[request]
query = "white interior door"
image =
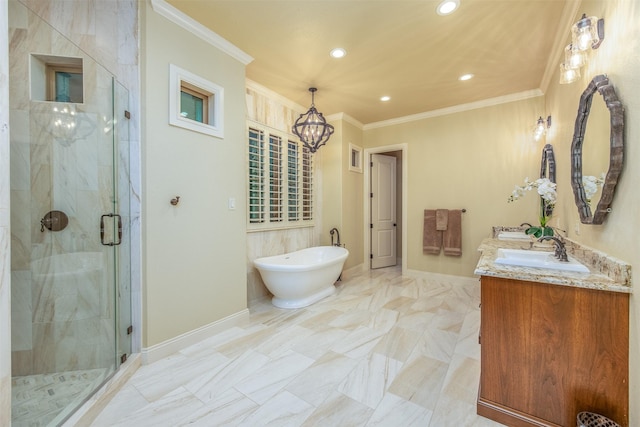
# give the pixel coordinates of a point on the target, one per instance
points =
(383, 211)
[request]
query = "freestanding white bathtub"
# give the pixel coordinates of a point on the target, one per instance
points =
(300, 278)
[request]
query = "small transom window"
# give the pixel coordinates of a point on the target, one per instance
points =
(195, 103)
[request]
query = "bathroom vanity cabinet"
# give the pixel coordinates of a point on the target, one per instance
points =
(549, 352)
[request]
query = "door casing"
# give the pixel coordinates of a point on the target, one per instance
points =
(366, 200)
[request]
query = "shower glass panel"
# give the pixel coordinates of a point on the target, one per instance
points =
(70, 277)
(121, 188)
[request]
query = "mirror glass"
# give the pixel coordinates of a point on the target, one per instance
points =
(597, 148)
(548, 169)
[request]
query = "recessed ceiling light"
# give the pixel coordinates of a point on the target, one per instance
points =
(385, 98)
(447, 6)
(465, 77)
(338, 52)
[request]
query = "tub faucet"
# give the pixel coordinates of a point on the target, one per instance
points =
(332, 231)
(561, 251)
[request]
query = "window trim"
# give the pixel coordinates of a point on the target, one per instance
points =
(355, 158)
(178, 79)
(284, 221)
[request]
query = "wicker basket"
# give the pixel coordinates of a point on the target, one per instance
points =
(589, 419)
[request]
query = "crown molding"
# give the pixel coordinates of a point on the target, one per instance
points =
(457, 109)
(345, 117)
(197, 29)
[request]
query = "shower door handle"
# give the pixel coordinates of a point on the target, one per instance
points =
(110, 215)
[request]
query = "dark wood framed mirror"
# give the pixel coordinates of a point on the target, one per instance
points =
(599, 84)
(548, 169)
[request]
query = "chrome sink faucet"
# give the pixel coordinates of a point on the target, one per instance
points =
(332, 231)
(560, 250)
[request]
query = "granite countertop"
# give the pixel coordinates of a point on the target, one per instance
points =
(592, 280)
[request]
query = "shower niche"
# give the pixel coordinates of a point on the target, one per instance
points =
(70, 285)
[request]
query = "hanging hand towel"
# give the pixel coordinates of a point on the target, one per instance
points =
(452, 239)
(431, 238)
(442, 219)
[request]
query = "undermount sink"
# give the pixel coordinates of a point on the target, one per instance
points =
(538, 259)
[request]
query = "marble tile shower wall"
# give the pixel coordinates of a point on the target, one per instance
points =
(273, 113)
(5, 288)
(43, 309)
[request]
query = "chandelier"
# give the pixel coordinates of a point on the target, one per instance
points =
(312, 128)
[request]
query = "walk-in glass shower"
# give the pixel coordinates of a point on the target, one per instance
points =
(70, 251)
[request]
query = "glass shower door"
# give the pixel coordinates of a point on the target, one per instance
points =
(122, 188)
(70, 279)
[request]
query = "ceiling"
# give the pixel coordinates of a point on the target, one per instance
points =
(399, 48)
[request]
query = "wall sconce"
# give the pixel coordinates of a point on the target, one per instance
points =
(573, 57)
(541, 128)
(586, 34)
(568, 75)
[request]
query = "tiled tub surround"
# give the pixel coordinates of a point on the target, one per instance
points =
(269, 243)
(606, 273)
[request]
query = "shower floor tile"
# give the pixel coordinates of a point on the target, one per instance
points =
(38, 400)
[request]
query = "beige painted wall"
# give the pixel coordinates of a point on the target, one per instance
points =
(194, 254)
(619, 235)
(470, 160)
(342, 189)
(352, 189)
(329, 159)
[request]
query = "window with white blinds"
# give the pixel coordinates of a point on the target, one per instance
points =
(280, 180)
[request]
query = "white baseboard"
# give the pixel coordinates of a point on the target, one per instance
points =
(173, 345)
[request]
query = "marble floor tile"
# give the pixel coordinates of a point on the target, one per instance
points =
(283, 341)
(420, 381)
(369, 380)
(435, 344)
(398, 343)
(352, 319)
(415, 320)
(339, 410)
(319, 343)
(284, 409)
(383, 320)
(237, 347)
(394, 411)
(209, 384)
(174, 409)
(162, 378)
(460, 382)
(228, 409)
(384, 350)
(359, 342)
(128, 400)
(322, 378)
(267, 381)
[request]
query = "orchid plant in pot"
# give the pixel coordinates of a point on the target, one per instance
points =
(547, 192)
